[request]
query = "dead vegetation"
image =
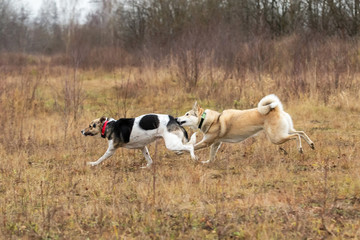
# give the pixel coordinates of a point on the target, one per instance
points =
(134, 57)
(253, 190)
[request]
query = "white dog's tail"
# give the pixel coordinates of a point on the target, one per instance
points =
(269, 102)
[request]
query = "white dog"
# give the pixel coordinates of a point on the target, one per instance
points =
(237, 125)
(136, 133)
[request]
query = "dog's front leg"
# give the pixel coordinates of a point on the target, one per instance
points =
(202, 144)
(213, 150)
(145, 151)
(109, 152)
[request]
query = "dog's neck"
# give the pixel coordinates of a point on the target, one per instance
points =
(104, 128)
(202, 116)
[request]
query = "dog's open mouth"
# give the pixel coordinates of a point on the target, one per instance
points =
(88, 134)
(180, 122)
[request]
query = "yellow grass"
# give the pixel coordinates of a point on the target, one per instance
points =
(252, 190)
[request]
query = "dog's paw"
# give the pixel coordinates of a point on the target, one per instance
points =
(194, 158)
(179, 152)
(205, 162)
(147, 166)
(283, 151)
(312, 145)
(91, 164)
(301, 150)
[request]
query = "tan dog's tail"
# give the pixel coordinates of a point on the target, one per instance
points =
(269, 102)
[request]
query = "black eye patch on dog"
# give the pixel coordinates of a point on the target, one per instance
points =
(149, 122)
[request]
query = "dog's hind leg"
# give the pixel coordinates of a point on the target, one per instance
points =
(287, 138)
(299, 133)
(298, 143)
(213, 150)
(192, 141)
(304, 136)
(149, 161)
(174, 143)
(109, 152)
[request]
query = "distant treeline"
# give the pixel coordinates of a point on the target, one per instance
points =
(159, 28)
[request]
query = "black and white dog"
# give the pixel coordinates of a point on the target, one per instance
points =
(136, 133)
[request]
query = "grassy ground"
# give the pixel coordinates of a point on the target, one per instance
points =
(252, 190)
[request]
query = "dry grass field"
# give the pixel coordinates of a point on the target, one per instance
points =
(252, 191)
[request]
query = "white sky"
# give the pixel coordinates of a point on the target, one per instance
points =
(83, 6)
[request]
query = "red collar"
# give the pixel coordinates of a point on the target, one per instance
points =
(103, 129)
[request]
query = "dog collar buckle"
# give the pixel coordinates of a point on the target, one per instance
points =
(103, 129)
(202, 120)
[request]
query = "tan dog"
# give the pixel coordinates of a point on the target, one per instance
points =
(237, 125)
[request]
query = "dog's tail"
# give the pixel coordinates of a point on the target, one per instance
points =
(268, 103)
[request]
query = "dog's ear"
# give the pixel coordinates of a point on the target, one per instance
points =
(102, 119)
(195, 106)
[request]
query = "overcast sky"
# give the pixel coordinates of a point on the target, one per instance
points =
(84, 6)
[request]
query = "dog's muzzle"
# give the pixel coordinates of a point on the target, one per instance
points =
(180, 122)
(86, 133)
